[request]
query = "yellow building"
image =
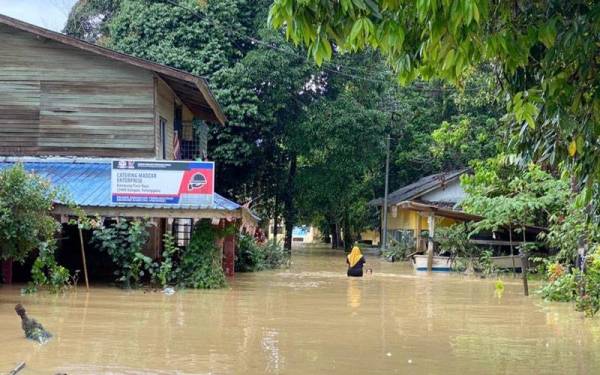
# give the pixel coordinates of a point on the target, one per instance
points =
(414, 210)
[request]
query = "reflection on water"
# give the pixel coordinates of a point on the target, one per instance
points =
(310, 319)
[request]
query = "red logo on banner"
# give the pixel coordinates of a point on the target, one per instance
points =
(197, 181)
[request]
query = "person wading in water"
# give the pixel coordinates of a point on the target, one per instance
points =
(355, 261)
(33, 330)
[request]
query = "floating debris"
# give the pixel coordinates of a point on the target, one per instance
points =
(33, 330)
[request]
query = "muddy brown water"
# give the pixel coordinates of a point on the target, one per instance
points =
(310, 319)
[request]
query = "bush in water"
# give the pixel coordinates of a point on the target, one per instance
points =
(581, 287)
(563, 288)
(26, 222)
(588, 298)
(166, 273)
(46, 272)
(124, 242)
(252, 256)
(200, 264)
(397, 251)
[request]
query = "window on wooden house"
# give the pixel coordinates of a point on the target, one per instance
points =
(182, 231)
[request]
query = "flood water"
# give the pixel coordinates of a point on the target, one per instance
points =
(310, 319)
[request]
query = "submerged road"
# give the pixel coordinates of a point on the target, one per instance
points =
(310, 319)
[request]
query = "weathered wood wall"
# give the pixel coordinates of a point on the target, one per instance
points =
(165, 108)
(59, 100)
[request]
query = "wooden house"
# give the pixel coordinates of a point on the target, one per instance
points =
(415, 211)
(68, 108)
(405, 223)
(61, 96)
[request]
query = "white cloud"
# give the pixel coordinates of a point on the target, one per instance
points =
(50, 14)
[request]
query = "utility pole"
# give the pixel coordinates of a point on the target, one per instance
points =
(385, 195)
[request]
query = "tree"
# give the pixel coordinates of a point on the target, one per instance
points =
(507, 195)
(88, 19)
(26, 222)
(343, 144)
(544, 54)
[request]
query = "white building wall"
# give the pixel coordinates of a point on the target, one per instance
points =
(451, 193)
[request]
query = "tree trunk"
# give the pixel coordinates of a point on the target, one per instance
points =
(347, 231)
(333, 238)
(524, 264)
(289, 210)
(275, 219)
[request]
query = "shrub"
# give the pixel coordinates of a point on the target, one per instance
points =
(166, 272)
(563, 288)
(26, 221)
(588, 300)
(275, 255)
(583, 288)
(124, 242)
(47, 273)
(200, 264)
(249, 255)
(485, 263)
(455, 241)
(397, 251)
(252, 256)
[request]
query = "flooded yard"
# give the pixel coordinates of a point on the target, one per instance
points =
(310, 319)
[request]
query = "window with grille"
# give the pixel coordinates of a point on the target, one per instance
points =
(182, 231)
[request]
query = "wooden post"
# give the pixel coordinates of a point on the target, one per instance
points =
(431, 224)
(512, 253)
(229, 255)
(85, 272)
(418, 233)
(524, 263)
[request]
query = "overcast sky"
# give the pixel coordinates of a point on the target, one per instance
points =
(51, 14)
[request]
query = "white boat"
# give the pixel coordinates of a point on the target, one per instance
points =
(507, 262)
(439, 263)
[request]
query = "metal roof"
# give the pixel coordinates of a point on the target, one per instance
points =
(420, 187)
(88, 184)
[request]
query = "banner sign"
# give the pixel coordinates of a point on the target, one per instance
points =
(163, 182)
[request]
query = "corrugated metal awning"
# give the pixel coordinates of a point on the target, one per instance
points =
(87, 184)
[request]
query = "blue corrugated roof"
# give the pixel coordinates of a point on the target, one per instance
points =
(88, 184)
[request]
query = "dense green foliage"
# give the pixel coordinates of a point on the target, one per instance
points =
(454, 241)
(507, 195)
(576, 221)
(26, 202)
(196, 266)
(397, 251)
(545, 56)
(47, 273)
(252, 256)
(165, 272)
(124, 241)
(513, 196)
(583, 288)
(200, 263)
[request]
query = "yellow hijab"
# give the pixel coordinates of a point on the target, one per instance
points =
(354, 256)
